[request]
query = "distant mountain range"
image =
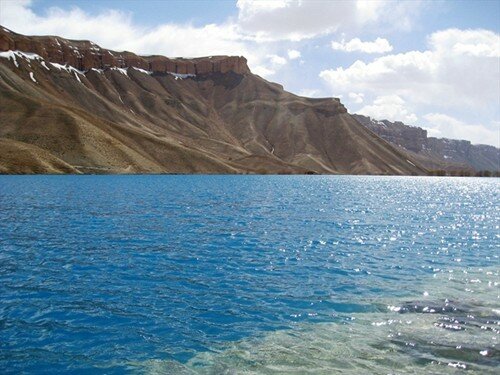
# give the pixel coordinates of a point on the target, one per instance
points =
(73, 107)
(435, 153)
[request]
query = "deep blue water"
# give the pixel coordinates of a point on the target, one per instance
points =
(108, 273)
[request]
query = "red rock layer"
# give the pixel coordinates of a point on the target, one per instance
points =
(85, 55)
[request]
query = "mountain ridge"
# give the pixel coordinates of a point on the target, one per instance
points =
(452, 155)
(85, 55)
(127, 119)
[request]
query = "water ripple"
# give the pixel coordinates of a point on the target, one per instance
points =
(126, 273)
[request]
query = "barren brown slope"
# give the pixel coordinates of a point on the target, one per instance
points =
(223, 119)
(317, 134)
(22, 158)
(452, 155)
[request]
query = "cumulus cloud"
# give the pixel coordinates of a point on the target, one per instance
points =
(293, 20)
(450, 69)
(379, 45)
(257, 21)
(356, 97)
(389, 107)
(270, 65)
(466, 42)
(445, 125)
(276, 60)
(263, 71)
(456, 74)
(297, 19)
(309, 93)
(293, 54)
(116, 30)
(110, 26)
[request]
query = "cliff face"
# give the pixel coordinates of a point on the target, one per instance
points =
(72, 106)
(410, 137)
(85, 55)
(435, 153)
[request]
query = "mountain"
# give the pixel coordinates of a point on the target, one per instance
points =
(74, 107)
(435, 153)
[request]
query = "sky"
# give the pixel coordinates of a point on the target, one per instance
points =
(434, 64)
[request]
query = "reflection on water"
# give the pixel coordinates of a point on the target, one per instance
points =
(217, 274)
(454, 324)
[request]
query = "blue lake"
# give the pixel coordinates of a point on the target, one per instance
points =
(249, 274)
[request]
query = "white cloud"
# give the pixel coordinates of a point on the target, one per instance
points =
(448, 70)
(110, 26)
(309, 93)
(390, 15)
(256, 21)
(466, 42)
(293, 54)
(389, 107)
(445, 125)
(458, 74)
(269, 65)
(379, 45)
(431, 132)
(116, 30)
(263, 71)
(293, 20)
(356, 97)
(249, 8)
(298, 19)
(276, 60)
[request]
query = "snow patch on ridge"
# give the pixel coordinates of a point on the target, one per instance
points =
(181, 76)
(121, 70)
(67, 68)
(143, 71)
(410, 162)
(11, 55)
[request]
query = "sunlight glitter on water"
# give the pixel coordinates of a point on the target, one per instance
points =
(209, 273)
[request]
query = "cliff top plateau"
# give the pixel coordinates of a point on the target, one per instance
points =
(74, 107)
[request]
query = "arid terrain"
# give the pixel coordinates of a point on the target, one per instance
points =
(73, 107)
(450, 155)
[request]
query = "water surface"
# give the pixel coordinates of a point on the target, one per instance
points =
(249, 274)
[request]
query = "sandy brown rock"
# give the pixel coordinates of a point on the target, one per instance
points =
(435, 153)
(23, 158)
(211, 116)
(85, 55)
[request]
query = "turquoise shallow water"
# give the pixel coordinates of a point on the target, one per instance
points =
(249, 274)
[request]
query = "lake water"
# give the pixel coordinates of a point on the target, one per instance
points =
(249, 274)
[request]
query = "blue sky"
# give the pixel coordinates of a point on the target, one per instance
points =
(431, 64)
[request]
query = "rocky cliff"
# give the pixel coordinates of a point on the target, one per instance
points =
(74, 107)
(85, 55)
(435, 153)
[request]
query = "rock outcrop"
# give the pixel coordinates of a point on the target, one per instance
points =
(85, 55)
(410, 137)
(74, 107)
(435, 153)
